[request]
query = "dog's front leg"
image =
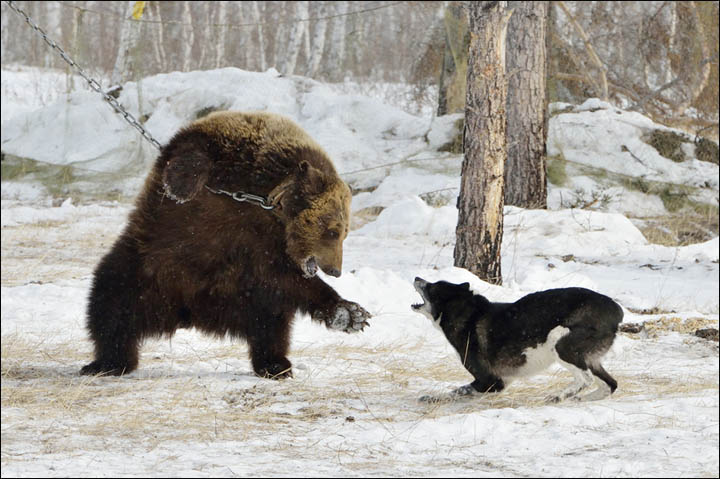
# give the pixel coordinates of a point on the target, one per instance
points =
(486, 384)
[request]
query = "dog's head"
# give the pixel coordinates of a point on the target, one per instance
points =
(436, 297)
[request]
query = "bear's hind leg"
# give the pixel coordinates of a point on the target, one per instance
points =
(113, 317)
(114, 357)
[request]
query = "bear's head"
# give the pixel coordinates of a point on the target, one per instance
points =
(259, 152)
(314, 206)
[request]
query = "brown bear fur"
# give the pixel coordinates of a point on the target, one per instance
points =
(190, 257)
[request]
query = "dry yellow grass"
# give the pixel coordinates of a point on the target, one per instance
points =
(33, 252)
(40, 384)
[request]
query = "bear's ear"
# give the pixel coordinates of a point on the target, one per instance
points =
(280, 194)
(304, 182)
(185, 174)
(310, 180)
(466, 286)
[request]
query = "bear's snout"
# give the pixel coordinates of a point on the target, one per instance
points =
(333, 272)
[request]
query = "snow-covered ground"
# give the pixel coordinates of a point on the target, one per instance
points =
(194, 408)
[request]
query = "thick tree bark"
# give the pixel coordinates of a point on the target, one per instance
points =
(480, 204)
(525, 181)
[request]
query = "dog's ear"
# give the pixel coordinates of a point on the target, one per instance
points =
(185, 173)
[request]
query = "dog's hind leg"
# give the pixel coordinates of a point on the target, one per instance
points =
(583, 380)
(571, 352)
(606, 386)
(600, 372)
(601, 392)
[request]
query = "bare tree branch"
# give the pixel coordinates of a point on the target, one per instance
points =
(588, 46)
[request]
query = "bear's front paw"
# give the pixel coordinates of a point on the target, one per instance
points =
(347, 316)
(278, 368)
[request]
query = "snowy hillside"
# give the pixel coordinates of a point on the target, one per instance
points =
(194, 408)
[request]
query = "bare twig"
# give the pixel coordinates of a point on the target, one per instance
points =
(588, 46)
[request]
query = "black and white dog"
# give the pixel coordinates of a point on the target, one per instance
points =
(498, 342)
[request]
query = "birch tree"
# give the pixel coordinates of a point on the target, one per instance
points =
(53, 29)
(317, 45)
(336, 54)
(257, 19)
(480, 204)
(124, 61)
(188, 37)
(222, 19)
(208, 35)
(288, 60)
(159, 43)
(525, 181)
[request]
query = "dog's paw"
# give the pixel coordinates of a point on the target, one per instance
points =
(456, 394)
(428, 399)
(466, 390)
(437, 398)
(348, 317)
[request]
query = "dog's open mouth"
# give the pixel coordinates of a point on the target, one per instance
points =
(419, 284)
(310, 267)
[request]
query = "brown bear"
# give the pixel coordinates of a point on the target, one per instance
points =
(193, 254)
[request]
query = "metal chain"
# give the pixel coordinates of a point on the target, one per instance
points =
(242, 197)
(237, 196)
(93, 83)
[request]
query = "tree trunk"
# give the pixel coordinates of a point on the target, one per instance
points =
(453, 77)
(525, 181)
(336, 55)
(124, 67)
(447, 72)
(159, 43)
(74, 49)
(52, 27)
(188, 37)
(207, 35)
(288, 59)
(262, 63)
(222, 19)
(480, 204)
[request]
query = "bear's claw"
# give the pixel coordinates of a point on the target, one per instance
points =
(348, 316)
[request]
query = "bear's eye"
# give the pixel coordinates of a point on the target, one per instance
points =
(332, 234)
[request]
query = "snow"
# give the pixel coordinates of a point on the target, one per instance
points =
(194, 408)
(599, 135)
(358, 132)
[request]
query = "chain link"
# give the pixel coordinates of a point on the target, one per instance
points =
(243, 197)
(92, 82)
